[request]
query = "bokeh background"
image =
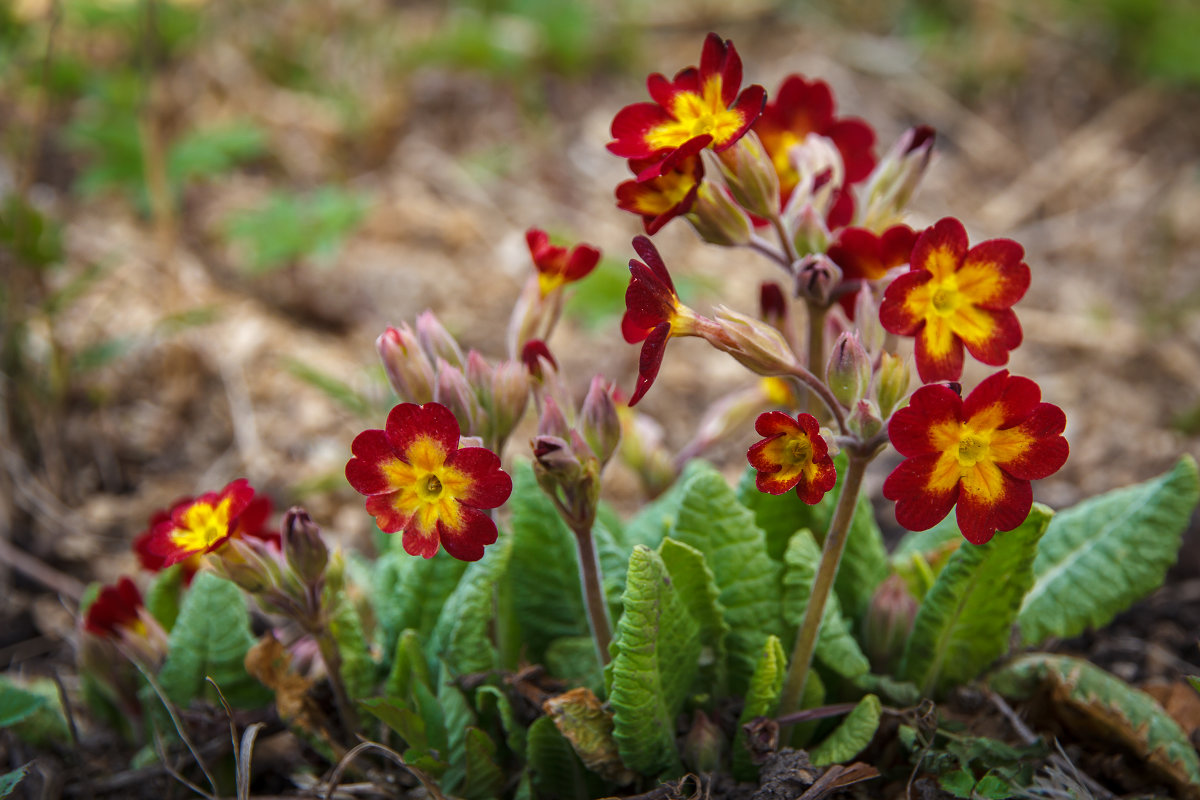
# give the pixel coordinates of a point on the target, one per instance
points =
(211, 209)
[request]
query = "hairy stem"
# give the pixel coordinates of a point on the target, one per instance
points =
(593, 592)
(831, 558)
(333, 665)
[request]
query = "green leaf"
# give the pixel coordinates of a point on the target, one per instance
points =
(1098, 703)
(574, 659)
(781, 515)
(852, 736)
(163, 596)
(33, 711)
(17, 704)
(489, 699)
(922, 542)
(1100, 556)
(960, 783)
(458, 717)
(358, 668)
(762, 698)
(836, 648)
(653, 667)
(210, 639)
(9, 780)
(656, 519)
(211, 151)
(410, 726)
(484, 779)
(966, 619)
(1194, 681)
(460, 637)
(556, 770)
(543, 577)
(694, 582)
(408, 666)
(410, 592)
(711, 520)
(289, 227)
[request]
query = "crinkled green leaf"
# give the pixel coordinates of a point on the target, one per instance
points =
(656, 519)
(711, 520)
(864, 562)
(409, 592)
(408, 665)
(484, 779)
(762, 698)
(852, 736)
(164, 594)
(966, 620)
(654, 665)
(210, 639)
(1099, 703)
(574, 659)
(1100, 556)
(836, 648)
(491, 702)
(9, 780)
(459, 718)
(460, 636)
(556, 770)
(697, 588)
(359, 670)
(543, 576)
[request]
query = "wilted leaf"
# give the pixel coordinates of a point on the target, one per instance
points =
(271, 665)
(589, 728)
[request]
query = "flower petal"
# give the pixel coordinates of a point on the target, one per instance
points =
(939, 353)
(650, 360)
(1034, 449)
(918, 507)
(372, 450)
(407, 423)
(389, 515)
(991, 500)
(941, 248)
(911, 428)
(992, 274)
(900, 312)
(487, 485)
(466, 542)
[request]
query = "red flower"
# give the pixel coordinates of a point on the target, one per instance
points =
(202, 525)
(699, 108)
(792, 455)
(661, 199)
(953, 296)
(980, 453)
(116, 611)
(864, 256)
(418, 480)
(801, 108)
(555, 266)
(653, 313)
(250, 523)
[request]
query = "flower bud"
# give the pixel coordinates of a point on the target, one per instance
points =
(816, 278)
(887, 623)
(510, 395)
(533, 353)
(751, 176)
(895, 178)
(866, 315)
(754, 343)
(240, 563)
(848, 373)
(821, 172)
(864, 420)
(478, 372)
(599, 421)
(553, 422)
(437, 341)
(702, 744)
(303, 546)
(810, 234)
(408, 369)
(555, 458)
(893, 383)
(453, 391)
(717, 218)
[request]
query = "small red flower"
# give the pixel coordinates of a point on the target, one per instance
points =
(202, 525)
(659, 200)
(653, 313)
(418, 480)
(954, 296)
(116, 610)
(801, 107)
(981, 453)
(555, 266)
(864, 256)
(793, 455)
(699, 108)
(250, 523)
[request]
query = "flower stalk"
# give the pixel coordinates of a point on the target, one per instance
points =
(593, 592)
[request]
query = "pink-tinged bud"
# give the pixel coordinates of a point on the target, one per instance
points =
(437, 341)
(718, 219)
(822, 172)
(772, 304)
(408, 369)
(887, 623)
(510, 395)
(816, 278)
(754, 343)
(893, 383)
(534, 315)
(553, 422)
(455, 393)
(810, 232)
(865, 420)
(848, 373)
(751, 176)
(303, 546)
(478, 372)
(599, 421)
(555, 457)
(895, 178)
(703, 744)
(567, 471)
(247, 563)
(866, 315)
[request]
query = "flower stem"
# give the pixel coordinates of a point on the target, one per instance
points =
(815, 345)
(831, 557)
(333, 665)
(593, 592)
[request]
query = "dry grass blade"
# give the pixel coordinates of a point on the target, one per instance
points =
(243, 753)
(430, 785)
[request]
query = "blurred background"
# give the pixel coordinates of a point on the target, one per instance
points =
(209, 210)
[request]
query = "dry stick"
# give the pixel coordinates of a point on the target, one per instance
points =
(831, 557)
(430, 786)
(40, 571)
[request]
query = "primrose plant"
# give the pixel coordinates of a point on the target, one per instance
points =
(556, 650)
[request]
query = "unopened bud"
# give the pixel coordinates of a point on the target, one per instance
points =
(866, 315)
(848, 373)
(864, 420)
(240, 562)
(478, 372)
(437, 341)
(751, 176)
(810, 233)
(895, 178)
(408, 369)
(510, 395)
(887, 623)
(816, 278)
(893, 383)
(599, 421)
(553, 422)
(702, 744)
(717, 218)
(822, 172)
(456, 394)
(303, 546)
(754, 343)
(555, 457)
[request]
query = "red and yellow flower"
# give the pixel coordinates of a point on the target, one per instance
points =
(557, 267)
(418, 480)
(865, 256)
(793, 455)
(202, 525)
(801, 107)
(699, 108)
(661, 199)
(979, 453)
(653, 313)
(251, 523)
(116, 611)
(954, 296)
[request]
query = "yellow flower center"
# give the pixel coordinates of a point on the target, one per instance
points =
(695, 115)
(203, 526)
(945, 300)
(972, 449)
(430, 488)
(800, 450)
